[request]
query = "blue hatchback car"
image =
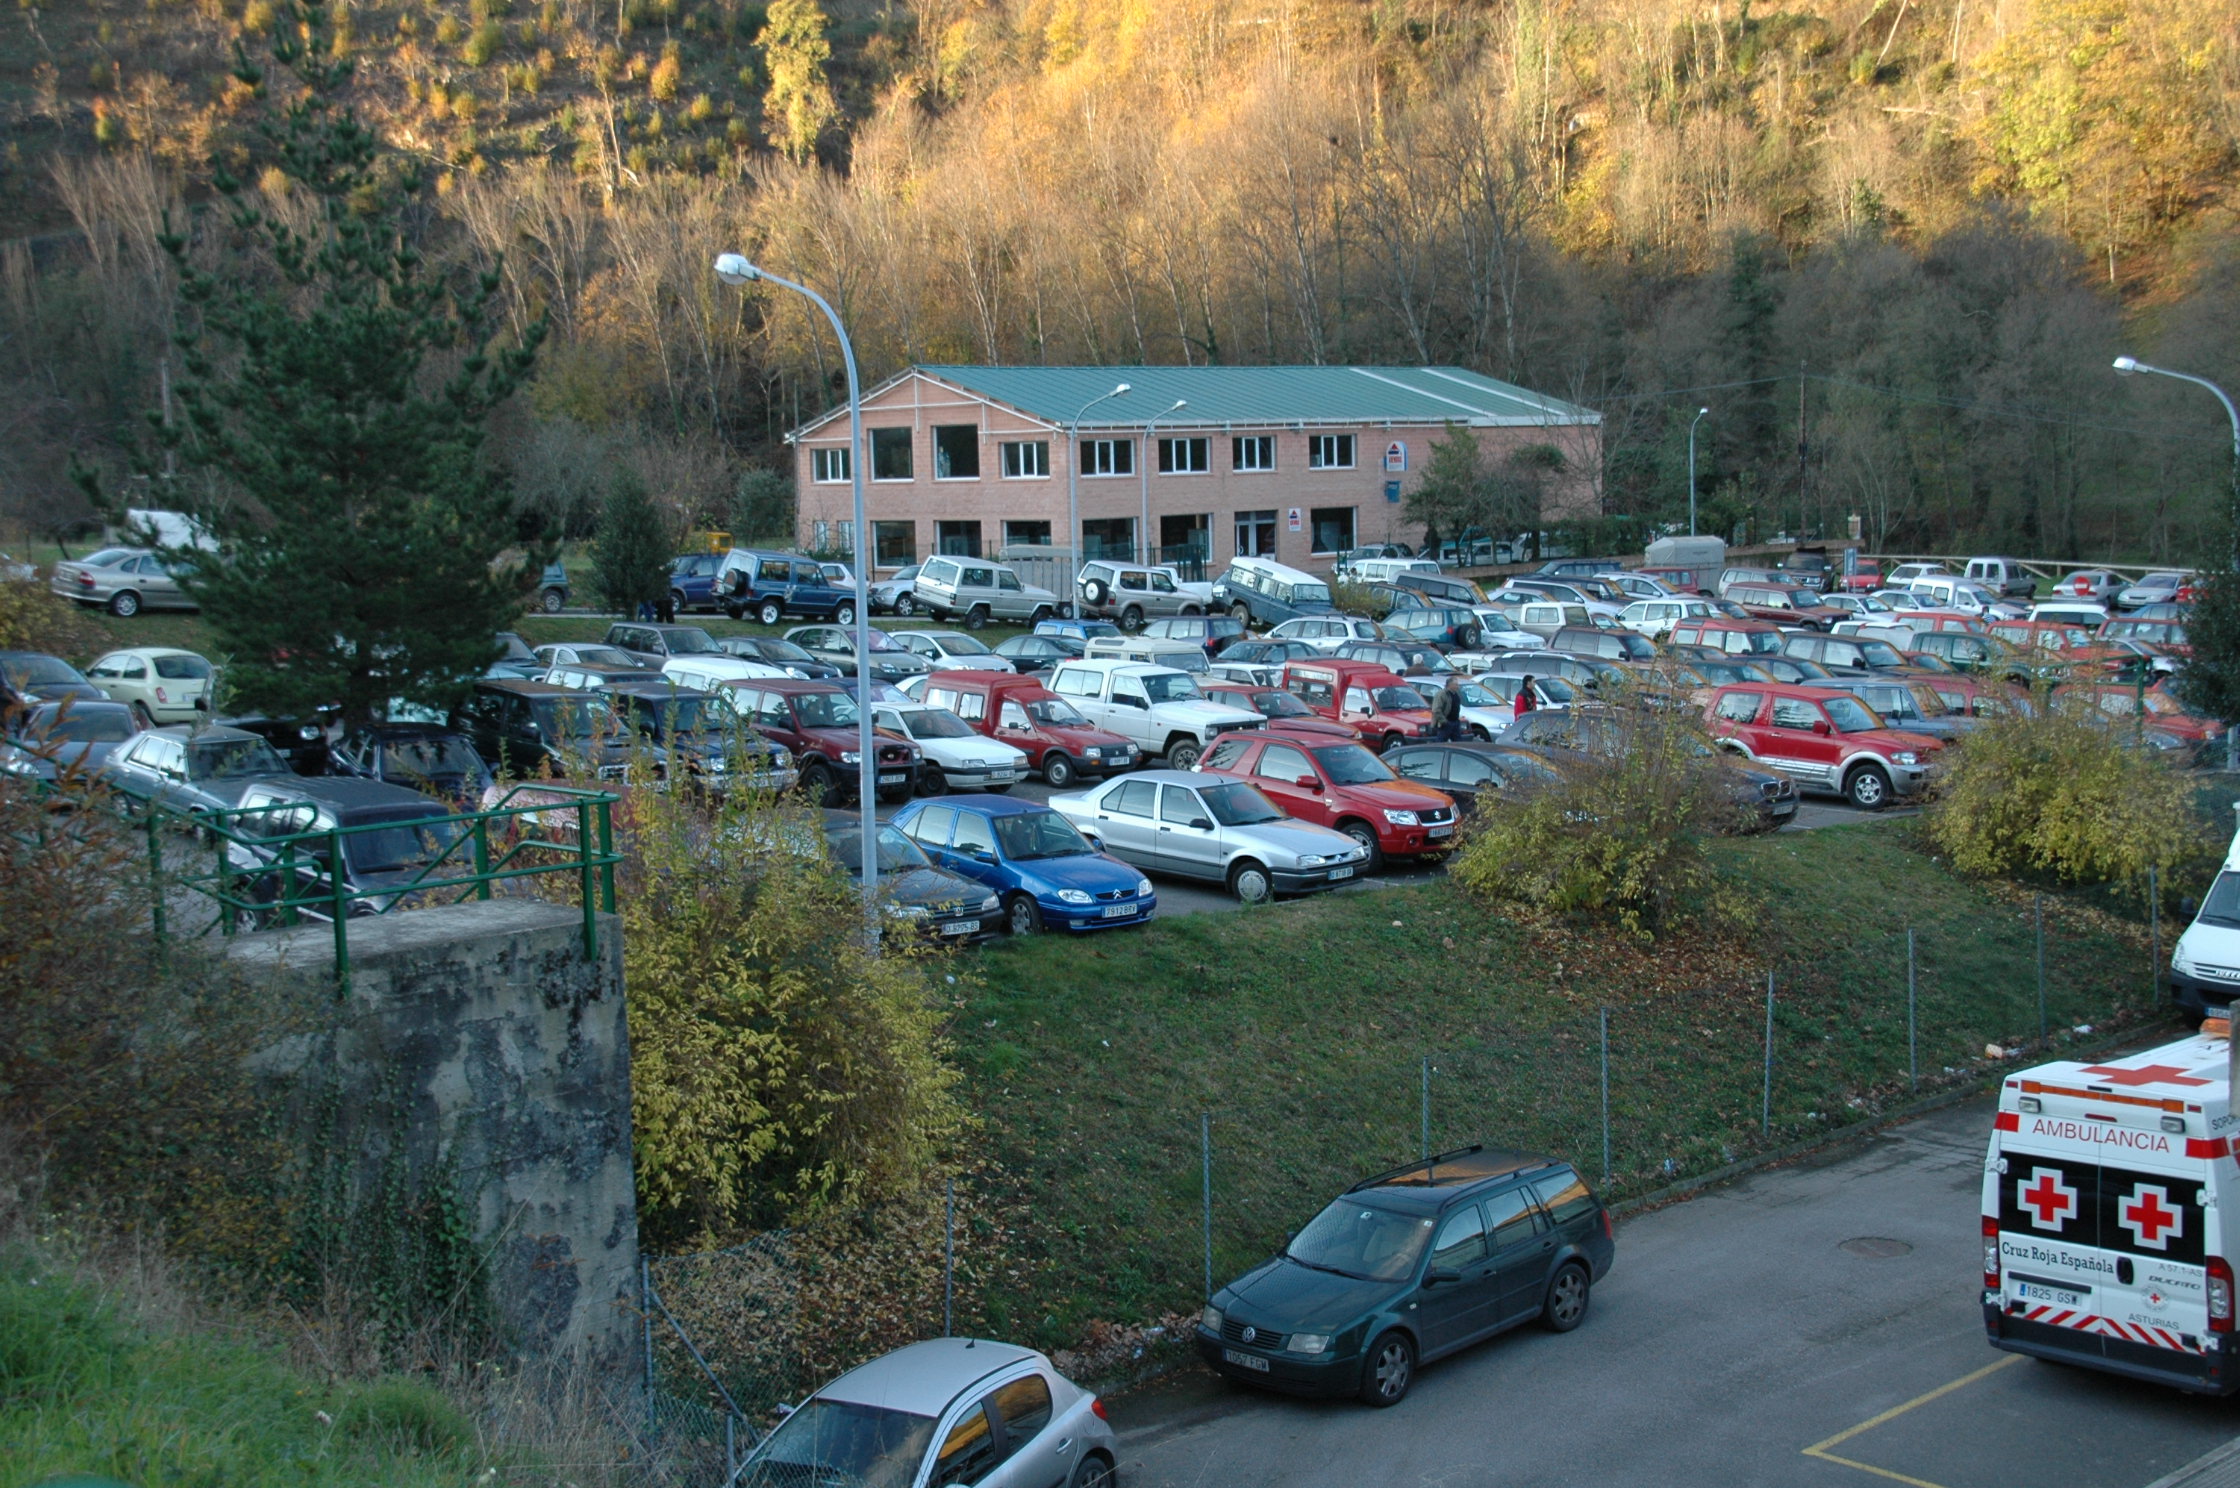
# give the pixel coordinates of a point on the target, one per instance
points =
(1079, 630)
(1047, 872)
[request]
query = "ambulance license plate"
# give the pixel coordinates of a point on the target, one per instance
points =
(2038, 1291)
(1249, 1361)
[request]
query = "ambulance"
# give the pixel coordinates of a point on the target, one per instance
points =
(2111, 1209)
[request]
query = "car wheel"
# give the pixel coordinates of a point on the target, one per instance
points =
(1389, 1370)
(1041, 613)
(1250, 882)
(1240, 614)
(1366, 836)
(676, 601)
(976, 617)
(1868, 788)
(124, 604)
(1020, 916)
(905, 605)
(1566, 1307)
(1095, 1471)
(1391, 742)
(1094, 592)
(1058, 770)
(845, 614)
(1478, 732)
(771, 612)
(554, 601)
(1183, 754)
(141, 717)
(1467, 637)
(931, 782)
(1131, 619)
(819, 784)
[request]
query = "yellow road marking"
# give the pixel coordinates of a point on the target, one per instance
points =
(1820, 1449)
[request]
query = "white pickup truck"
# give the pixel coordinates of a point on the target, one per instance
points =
(1157, 708)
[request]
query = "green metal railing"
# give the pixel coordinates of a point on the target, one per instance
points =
(259, 879)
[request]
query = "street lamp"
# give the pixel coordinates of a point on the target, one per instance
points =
(1143, 532)
(1073, 493)
(734, 269)
(1692, 469)
(2125, 366)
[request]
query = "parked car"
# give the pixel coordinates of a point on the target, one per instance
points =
(1181, 656)
(391, 839)
(1745, 638)
(1865, 577)
(949, 1410)
(188, 770)
(553, 589)
(124, 581)
(1048, 875)
(2163, 586)
(2089, 583)
(2072, 612)
(700, 739)
(1579, 671)
(513, 658)
(1284, 713)
(891, 661)
(651, 645)
(1476, 774)
(770, 586)
(1068, 628)
(1402, 659)
(1158, 709)
(1610, 645)
(1036, 654)
(1544, 618)
(588, 654)
(1133, 593)
(47, 741)
(31, 677)
(1263, 592)
(161, 684)
(893, 595)
(427, 758)
(1655, 618)
(1840, 654)
(1485, 708)
(957, 756)
(1409, 1266)
(1806, 568)
(1905, 575)
(1328, 632)
(1762, 799)
(1216, 633)
(916, 898)
(1435, 590)
(1783, 604)
(2002, 576)
(977, 590)
(1185, 825)
(1362, 695)
(1908, 703)
(1342, 786)
(1825, 741)
(692, 582)
(1497, 629)
(2167, 636)
(821, 726)
(775, 651)
(1060, 743)
(1449, 626)
(588, 678)
(951, 650)
(525, 730)
(1636, 585)
(1261, 661)
(1861, 608)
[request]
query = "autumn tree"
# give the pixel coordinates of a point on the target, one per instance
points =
(798, 106)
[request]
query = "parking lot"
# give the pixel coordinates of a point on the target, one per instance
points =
(1814, 1324)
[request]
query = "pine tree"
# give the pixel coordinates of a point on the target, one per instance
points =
(335, 396)
(798, 105)
(631, 557)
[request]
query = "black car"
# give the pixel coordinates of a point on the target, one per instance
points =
(780, 653)
(1408, 1266)
(915, 895)
(1476, 774)
(305, 742)
(50, 740)
(1035, 654)
(525, 730)
(28, 677)
(391, 838)
(423, 757)
(701, 739)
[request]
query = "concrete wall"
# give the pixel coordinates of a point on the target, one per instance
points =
(510, 1052)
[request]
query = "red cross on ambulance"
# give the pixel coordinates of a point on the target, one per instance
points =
(2153, 1074)
(2049, 1200)
(2150, 1219)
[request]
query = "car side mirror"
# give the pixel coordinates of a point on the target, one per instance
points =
(202, 703)
(1308, 782)
(982, 855)
(1820, 726)
(2189, 906)
(1439, 1274)
(1201, 824)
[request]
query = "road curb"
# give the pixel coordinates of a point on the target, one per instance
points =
(2217, 1469)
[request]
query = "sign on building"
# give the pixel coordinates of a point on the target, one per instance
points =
(1294, 514)
(1396, 456)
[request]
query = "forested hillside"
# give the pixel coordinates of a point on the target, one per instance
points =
(1891, 245)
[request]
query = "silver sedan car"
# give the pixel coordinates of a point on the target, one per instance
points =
(124, 580)
(1186, 825)
(950, 1410)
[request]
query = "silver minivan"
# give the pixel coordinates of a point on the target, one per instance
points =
(976, 591)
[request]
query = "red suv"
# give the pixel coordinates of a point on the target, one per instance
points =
(1362, 694)
(1285, 713)
(1023, 713)
(818, 722)
(1342, 786)
(1823, 739)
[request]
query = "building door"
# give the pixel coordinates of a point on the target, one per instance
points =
(1256, 534)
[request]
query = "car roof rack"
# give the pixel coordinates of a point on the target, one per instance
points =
(1429, 1166)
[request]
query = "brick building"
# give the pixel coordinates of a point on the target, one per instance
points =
(1297, 463)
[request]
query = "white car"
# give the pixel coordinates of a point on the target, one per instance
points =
(1864, 608)
(957, 756)
(1498, 630)
(1327, 632)
(706, 671)
(891, 595)
(952, 651)
(1158, 709)
(1655, 618)
(1904, 575)
(159, 683)
(1636, 585)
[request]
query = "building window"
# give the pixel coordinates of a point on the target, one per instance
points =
(820, 533)
(1332, 526)
(1026, 459)
(894, 544)
(828, 466)
(843, 537)
(957, 539)
(1026, 534)
(1185, 538)
(1185, 456)
(1329, 452)
(1256, 534)
(1251, 452)
(1109, 537)
(956, 452)
(1108, 457)
(890, 454)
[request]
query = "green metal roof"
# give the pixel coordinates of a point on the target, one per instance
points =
(1260, 396)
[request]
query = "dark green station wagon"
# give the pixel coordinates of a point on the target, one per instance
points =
(1411, 1265)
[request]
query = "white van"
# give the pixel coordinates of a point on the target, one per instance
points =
(1963, 595)
(2071, 612)
(2205, 963)
(2111, 1209)
(2002, 576)
(1384, 570)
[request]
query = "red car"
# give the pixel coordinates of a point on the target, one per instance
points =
(1866, 578)
(1342, 786)
(818, 722)
(1285, 713)
(1023, 713)
(1363, 695)
(1824, 739)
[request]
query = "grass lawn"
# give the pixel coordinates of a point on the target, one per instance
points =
(1303, 1030)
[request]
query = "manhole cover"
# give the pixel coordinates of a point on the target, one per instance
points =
(1876, 1247)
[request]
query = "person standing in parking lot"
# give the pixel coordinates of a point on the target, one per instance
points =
(1526, 702)
(1446, 712)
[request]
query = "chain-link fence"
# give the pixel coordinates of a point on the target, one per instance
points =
(1094, 1243)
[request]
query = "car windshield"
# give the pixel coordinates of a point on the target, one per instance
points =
(1762, 641)
(571, 718)
(1028, 835)
(1170, 687)
(1850, 716)
(959, 645)
(426, 758)
(1891, 702)
(841, 1443)
(781, 651)
(881, 641)
(897, 853)
(1803, 599)
(1396, 699)
(1309, 593)
(680, 715)
(1361, 1240)
(1056, 711)
(1880, 654)
(935, 723)
(1350, 764)
(83, 726)
(603, 656)
(1474, 696)
(691, 640)
(1277, 704)
(231, 759)
(183, 668)
(825, 710)
(24, 672)
(397, 846)
(1239, 805)
(512, 648)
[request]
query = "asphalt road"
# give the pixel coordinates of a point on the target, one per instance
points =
(1744, 1337)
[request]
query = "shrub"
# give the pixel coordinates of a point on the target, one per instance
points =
(483, 44)
(668, 73)
(2064, 797)
(1623, 839)
(449, 31)
(33, 618)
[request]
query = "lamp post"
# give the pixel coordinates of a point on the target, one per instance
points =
(1073, 492)
(1692, 469)
(734, 269)
(2125, 366)
(1143, 531)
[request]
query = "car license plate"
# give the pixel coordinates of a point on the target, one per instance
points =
(960, 927)
(1338, 873)
(2038, 1291)
(1118, 911)
(1249, 1361)
(1438, 832)
(892, 779)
